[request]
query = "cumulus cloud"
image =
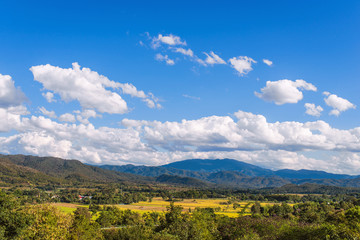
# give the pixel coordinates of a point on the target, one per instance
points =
(337, 103)
(170, 39)
(11, 117)
(49, 96)
(89, 88)
(250, 132)
(130, 89)
(11, 100)
(10, 95)
(84, 116)
(67, 117)
(183, 51)
(245, 136)
(242, 64)
(285, 91)
(50, 114)
(83, 85)
(212, 59)
(313, 110)
(267, 62)
(164, 58)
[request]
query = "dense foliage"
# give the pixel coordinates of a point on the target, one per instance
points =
(30, 185)
(322, 217)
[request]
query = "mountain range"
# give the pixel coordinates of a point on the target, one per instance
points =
(20, 170)
(233, 173)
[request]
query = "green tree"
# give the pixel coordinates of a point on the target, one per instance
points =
(47, 223)
(12, 219)
(82, 228)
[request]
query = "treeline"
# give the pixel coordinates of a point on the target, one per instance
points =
(310, 220)
(119, 194)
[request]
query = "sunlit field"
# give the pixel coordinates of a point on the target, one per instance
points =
(221, 206)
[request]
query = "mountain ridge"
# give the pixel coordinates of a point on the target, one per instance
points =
(234, 173)
(198, 167)
(29, 170)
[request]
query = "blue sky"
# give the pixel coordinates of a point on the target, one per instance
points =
(159, 82)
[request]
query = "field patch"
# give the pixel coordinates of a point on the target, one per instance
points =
(220, 206)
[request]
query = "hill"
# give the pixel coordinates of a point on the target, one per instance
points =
(186, 181)
(237, 174)
(310, 174)
(50, 170)
(31, 170)
(216, 165)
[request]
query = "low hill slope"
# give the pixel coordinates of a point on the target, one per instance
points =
(216, 165)
(310, 174)
(65, 170)
(186, 181)
(13, 174)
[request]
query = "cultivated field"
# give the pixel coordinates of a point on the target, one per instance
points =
(221, 206)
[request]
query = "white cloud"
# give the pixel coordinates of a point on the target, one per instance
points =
(200, 61)
(267, 62)
(337, 103)
(11, 108)
(10, 95)
(247, 137)
(91, 89)
(313, 110)
(67, 117)
(170, 39)
(251, 132)
(49, 96)
(40, 143)
(212, 59)
(130, 89)
(84, 116)
(150, 103)
(242, 64)
(164, 58)
(183, 51)
(191, 97)
(83, 85)
(284, 91)
(11, 118)
(18, 110)
(50, 114)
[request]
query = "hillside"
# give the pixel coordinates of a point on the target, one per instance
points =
(31, 170)
(216, 165)
(11, 173)
(50, 170)
(237, 174)
(310, 174)
(186, 181)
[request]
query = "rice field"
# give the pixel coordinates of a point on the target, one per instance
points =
(159, 205)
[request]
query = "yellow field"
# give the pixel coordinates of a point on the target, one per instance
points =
(159, 205)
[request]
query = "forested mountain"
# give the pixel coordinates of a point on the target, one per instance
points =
(233, 173)
(50, 170)
(310, 174)
(216, 165)
(31, 170)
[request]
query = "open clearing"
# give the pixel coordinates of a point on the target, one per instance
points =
(159, 205)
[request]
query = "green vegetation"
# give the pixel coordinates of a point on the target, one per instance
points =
(320, 219)
(50, 198)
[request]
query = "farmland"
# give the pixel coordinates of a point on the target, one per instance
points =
(221, 206)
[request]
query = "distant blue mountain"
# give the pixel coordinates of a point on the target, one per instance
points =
(233, 173)
(310, 174)
(216, 165)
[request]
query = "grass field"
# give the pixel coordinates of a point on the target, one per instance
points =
(159, 205)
